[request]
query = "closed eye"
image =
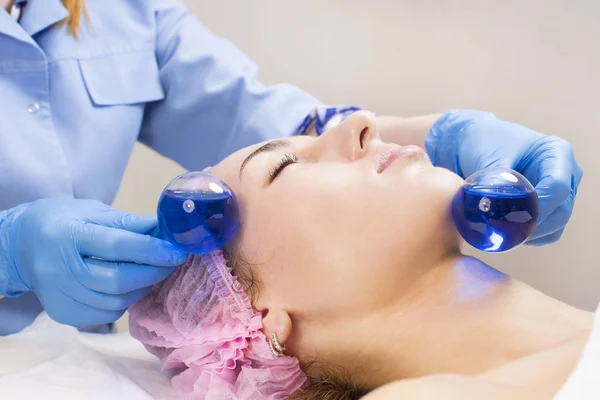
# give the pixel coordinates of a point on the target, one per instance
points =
(284, 162)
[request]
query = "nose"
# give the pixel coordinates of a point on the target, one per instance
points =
(351, 139)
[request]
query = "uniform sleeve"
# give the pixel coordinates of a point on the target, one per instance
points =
(11, 283)
(214, 104)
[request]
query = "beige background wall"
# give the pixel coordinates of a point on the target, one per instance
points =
(536, 62)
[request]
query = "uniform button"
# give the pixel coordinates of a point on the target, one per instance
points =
(33, 108)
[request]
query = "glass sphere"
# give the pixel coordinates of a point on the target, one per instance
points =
(198, 212)
(496, 210)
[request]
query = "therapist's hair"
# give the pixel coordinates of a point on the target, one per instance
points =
(325, 381)
(76, 10)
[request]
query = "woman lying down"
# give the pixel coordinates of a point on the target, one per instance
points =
(346, 280)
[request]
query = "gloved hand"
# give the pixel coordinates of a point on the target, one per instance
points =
(466, 141)
(50, 244)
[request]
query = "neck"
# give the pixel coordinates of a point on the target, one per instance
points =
(7, 4)
(464, 317)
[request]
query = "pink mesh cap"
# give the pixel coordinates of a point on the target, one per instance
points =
(202, 326)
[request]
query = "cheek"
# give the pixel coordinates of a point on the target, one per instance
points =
(335, 248)
(339, 241)
(305, 245)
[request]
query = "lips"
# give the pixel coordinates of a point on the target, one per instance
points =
(389, 153)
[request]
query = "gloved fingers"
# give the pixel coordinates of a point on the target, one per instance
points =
(472, 163)
(65, 310)
(155, 233)
(577, 174)
(555, 221)
(556, 178)
(544, 240)
(118, 278)
(112, 218)
(122, 246)
(103, 301)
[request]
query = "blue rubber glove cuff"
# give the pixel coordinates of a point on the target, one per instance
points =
(443, 139)
(11, 284)
(324, 118)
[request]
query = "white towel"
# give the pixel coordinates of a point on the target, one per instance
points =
(52, 361)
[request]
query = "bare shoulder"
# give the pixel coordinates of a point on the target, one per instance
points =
(449, 387)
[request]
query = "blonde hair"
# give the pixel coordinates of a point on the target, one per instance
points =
(76, 9)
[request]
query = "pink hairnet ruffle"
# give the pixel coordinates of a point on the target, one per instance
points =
(202, 326)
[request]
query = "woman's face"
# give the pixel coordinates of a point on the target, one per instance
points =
(338, 226)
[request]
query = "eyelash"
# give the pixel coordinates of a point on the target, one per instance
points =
(285, 161)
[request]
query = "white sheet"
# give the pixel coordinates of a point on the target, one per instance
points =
(584, 382)
(52, 361)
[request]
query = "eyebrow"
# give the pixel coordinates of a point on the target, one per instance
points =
(267, 147)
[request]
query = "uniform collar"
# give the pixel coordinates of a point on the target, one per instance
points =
(10, 27)
(38, 15)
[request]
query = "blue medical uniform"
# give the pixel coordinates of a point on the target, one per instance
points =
(140, 70)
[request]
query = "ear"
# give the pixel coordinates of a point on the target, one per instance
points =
(277, 321)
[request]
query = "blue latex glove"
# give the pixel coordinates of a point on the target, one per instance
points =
(50, 244)
(466, 141)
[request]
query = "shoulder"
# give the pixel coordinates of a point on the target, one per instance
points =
(133, 7)
(447, 387)
(419, 388)
(130, 16)
(123, 26)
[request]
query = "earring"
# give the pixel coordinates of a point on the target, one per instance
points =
(277, 349)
